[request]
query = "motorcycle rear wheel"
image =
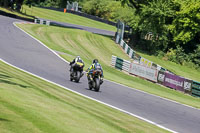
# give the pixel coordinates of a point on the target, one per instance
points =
(78, 75)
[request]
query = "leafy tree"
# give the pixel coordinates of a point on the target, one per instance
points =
(135, 3)
(155, 17)
(108, 9)
(196, 57)
(186, 26)
(10, 3)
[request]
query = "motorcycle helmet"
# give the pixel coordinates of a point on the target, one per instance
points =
(95, 61)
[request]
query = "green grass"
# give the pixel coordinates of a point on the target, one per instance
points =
(65, 17)
(89, 46)
(31, 105)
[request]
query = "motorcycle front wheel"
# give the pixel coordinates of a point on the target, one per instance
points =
(97, 84)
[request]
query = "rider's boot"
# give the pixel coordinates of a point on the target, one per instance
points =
(90, 79)
(82, 74)
(71, 71)
(101, 80)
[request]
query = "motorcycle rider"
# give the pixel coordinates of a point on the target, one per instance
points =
(95, 65)
(73, 63)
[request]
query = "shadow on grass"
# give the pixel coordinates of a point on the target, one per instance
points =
(17, 17)
(12, 83)
(4, 76)
(26, 15)
(4, 120)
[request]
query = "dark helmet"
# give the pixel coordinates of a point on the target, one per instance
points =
(95, 61)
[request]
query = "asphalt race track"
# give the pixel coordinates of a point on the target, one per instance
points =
(89, 29)
(21, 50)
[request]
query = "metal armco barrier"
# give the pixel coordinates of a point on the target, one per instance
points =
(43, 22)
(196, 89)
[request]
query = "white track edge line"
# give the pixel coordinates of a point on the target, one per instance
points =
(40, 42)
(80, 93)
(156, 96)
(106, 79)
(139, 117)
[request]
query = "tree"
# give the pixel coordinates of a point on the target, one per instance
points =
(108, 9)
(5, 3)
(10, 3)
(186, 26)
(155, 17)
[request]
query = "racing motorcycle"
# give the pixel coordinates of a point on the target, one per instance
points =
(96, 80)
(76, 72)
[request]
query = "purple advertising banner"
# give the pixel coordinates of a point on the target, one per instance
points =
(174, 81)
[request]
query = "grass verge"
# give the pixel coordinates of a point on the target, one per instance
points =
(29, 104)
(65, 17)
(73, 42)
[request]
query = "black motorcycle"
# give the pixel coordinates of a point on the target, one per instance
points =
(96, 80)
(76, 72)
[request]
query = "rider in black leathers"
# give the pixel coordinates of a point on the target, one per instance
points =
(73, 63)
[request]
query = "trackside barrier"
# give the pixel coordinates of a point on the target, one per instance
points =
(146, 62)
(120, 63)
(135, 69)
(137, 58)
(113, 60)
(43, 22)
(175, 82)
(196, 89)
(144, 72)
(126, 65)
(131, 53)
(161, 76)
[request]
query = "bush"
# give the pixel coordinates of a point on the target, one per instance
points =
(178, 56)
(108, 9)
(49, 3)
(196, 57)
